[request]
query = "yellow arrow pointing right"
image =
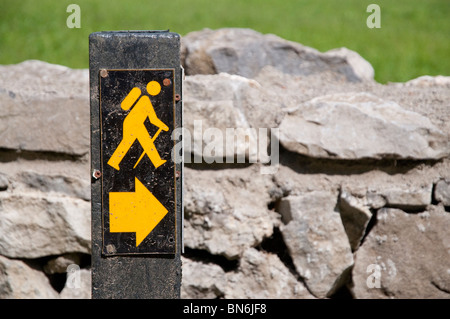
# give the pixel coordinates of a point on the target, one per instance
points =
(137, 212)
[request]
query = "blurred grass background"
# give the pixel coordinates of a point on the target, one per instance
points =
(414, 38)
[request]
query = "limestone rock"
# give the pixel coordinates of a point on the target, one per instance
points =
(408, 196)
(430, 81)
(45, 108)
(355, 217)
(65, 184)
(360, 126)
(19, 281)
(442, 192)
(36, 226)
(405, 256)
(4, 182)
(360, 66)
(259, 275)
(210, 105)
(59, 264)
(245, 52)
(222, 104)
(294, 90)
(202, 281)
(226, 210)
(316, 241)
(263, 275)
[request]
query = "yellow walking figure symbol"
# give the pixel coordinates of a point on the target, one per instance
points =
(134, 128)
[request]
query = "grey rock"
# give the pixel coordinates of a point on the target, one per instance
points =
(408, 196)
(202, 281)
(442, 192)
(59, 264)
(360, 66)
(429, 81)
(20, 281)
(4, 182)
(226, 210)
(405, 256)
(317, 241)
(67, 185)
(211, 104)
(294, 90)
(34, 226)
(245, 52)
(360, 126)
(45, 108)
(222, 104)
(262, 275)
(355, 217)
(374, 200)
(259, 275)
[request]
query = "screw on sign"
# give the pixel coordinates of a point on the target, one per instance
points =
(97, 174)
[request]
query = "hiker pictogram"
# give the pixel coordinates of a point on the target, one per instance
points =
(134, 128)
(139, 185)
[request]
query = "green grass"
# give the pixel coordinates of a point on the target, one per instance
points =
(414, 38)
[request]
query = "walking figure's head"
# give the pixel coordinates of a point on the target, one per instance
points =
(153, 88)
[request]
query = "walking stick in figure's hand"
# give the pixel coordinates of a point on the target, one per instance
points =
(143, 153)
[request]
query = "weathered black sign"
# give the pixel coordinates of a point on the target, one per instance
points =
(136, 186)
(137, 110)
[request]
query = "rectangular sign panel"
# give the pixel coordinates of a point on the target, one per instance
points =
(137, 116)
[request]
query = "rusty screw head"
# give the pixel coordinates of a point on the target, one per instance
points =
(110, 249)
(103, 73)
(167, 82)
(97, 174)
(177, 97)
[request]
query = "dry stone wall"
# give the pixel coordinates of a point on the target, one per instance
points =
(358, 207)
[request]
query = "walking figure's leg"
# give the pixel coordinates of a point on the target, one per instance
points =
(120, 152)
(150, 149)
(128, 139)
